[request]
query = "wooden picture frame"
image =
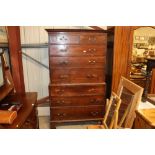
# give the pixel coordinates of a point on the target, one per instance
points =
(130, 94)
(110, 119)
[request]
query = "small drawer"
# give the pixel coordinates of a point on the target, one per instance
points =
(79, 75)
(76, 90)
(76, 50)
(64, 39)
(93, 39)
(72, 113)
(76, 38)
(76, 62)
(77, 101)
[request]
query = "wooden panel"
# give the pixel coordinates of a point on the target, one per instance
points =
(77, 90)
(75, 50)
(78, 101)
(80, 75)
(64, 113)
(16, 58)
(153, 82)
(121, 59)
(85, 62)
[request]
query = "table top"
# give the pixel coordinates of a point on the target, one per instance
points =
(148, 115)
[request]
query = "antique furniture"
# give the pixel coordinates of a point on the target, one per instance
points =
(77, 61)
(150, 66)
(130, 94)
(27, 115)
(110, 118)
(145, 119)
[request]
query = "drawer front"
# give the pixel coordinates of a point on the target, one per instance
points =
(77, 101)
(76, 50)
(77, 90)
(64, 39)
(76, 38)
(85, 62)
(80, 75)
(77, 113)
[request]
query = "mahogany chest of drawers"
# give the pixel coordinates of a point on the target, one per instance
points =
(77, 61)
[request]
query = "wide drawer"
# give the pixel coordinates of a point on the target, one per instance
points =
(76, 89)
(76, 38)
(77, 75)
(74, 62)
(76, 50)
(77, 101)
(77, 113)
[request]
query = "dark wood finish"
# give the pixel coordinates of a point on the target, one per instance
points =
(76, 90)
(27, 115)
(77, 51)
(77, 75)
(71, 113)
(153, 82)
(77, 101)
(16, 58)
(122, 37)
(85, 62)
(77, 61)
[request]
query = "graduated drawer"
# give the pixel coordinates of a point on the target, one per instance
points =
(76, 89)
(96, 62)
(77, 75)
(77, 113)
(77, 101)
(76, 38)
(76, 50)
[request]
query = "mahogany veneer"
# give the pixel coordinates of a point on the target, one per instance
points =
(77, 60)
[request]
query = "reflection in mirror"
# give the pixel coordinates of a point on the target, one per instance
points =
(143, 47)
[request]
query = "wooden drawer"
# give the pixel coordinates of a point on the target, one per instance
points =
(80, 75)
(77, 113)
(74, 62)
(76, 50)
(76, 90)
(77, 101)
(76, 38)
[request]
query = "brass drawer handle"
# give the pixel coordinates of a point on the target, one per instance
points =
(92, 38)
(59, 90)
(61, 114)
(93, 100)
(64, 63)
(63, 50)
(63, 76)
(92, 62)
(92, 90)
(63, 38)
(94, 113)
(60, 102)
(91, 76)
(89, 50)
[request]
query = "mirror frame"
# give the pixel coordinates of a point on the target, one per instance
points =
(129, 114)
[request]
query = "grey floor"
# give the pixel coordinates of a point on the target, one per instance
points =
(44, 123)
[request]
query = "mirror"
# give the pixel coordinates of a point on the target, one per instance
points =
(143, 47)
(1, 71)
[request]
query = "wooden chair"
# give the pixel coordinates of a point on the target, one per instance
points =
(111, 115)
